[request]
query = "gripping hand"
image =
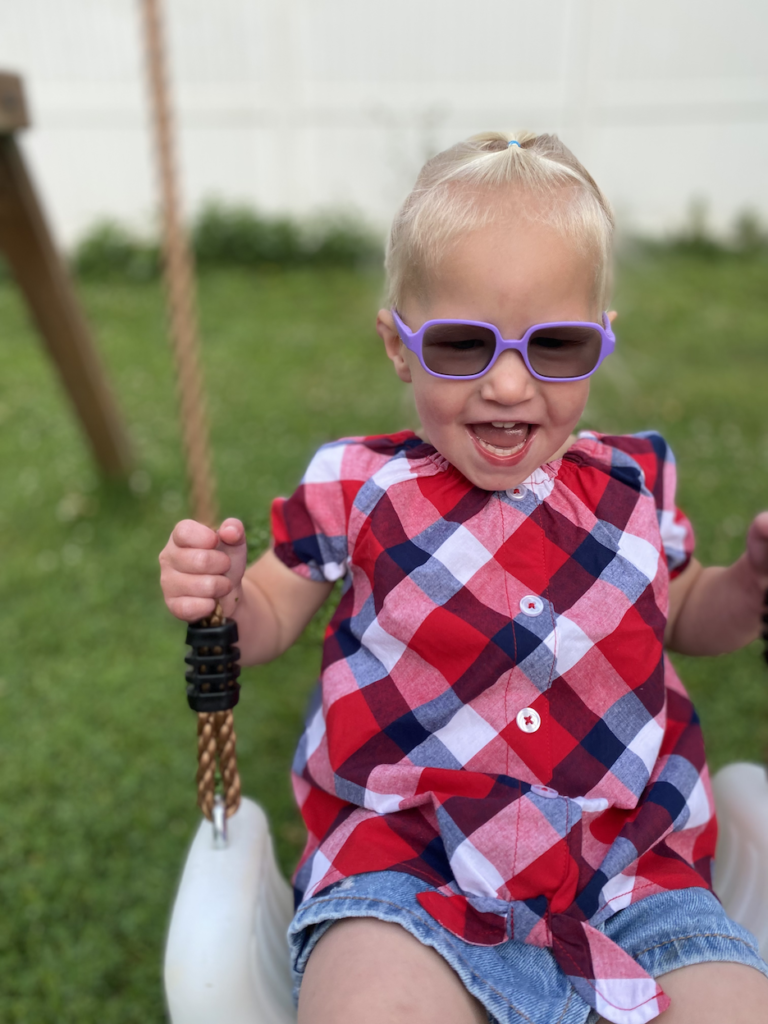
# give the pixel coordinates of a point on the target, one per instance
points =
(200, 567)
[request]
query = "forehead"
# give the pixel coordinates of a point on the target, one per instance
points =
(514, 270)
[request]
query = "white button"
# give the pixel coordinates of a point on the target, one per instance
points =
(591, 805)
(528, 720)
(517, 493)
(545, 791)
(531, 605)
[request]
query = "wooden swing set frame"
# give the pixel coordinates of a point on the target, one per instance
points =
(27, 243)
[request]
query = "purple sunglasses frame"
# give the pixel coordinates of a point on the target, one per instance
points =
(413, 340)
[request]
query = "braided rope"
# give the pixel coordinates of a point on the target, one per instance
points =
(215, 731)
(225, 748)
(179, 277)
(216, 751)
(206, 763)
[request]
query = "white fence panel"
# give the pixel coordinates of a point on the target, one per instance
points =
(306, 104)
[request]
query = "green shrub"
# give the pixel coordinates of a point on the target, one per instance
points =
(109, 252)
(231, 236)
(749, 233)
(341, 242)
(746, 237)
(240, 236)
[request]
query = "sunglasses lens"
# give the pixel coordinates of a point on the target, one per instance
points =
(458, 350)
(560, 352)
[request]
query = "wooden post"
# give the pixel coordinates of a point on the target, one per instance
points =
(28, 247)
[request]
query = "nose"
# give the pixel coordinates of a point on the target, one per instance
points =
(508, 382)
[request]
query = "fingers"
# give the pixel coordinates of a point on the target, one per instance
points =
(192, 548)
(232, 543)
(757, 535)
(757, 546)
(189, 534)
(198, 561)
(190, 597)
(180, 584)
(190, 609)
(199, 566)
(232, 532)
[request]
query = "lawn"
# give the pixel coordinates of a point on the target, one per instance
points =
(98, 751)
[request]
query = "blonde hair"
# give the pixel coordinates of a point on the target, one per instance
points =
(456, 192)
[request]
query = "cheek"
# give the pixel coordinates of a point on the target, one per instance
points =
(437, 401)
(567, 401)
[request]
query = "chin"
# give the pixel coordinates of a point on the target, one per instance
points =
(500, 479)
(499, 484)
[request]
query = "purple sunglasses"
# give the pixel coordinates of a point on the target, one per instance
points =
(566, 350)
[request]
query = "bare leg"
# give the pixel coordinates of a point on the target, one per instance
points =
(365, 971)
(715, 993)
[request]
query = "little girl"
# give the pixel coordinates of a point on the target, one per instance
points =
(503, 780)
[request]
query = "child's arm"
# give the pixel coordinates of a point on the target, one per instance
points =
(270, 603)
(716, 610)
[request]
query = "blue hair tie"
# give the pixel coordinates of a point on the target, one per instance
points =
(513, 143)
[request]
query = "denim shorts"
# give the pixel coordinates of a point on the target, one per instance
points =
(522, 984)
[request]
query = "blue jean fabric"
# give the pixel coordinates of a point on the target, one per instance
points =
(522, 984)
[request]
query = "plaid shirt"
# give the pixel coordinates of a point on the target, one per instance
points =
(497, 715)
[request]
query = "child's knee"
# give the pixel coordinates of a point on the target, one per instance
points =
(715, 993)
(371, 971)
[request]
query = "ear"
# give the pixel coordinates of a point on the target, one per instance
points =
(612, 315)
(385, 328)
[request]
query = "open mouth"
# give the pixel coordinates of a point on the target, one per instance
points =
(501, 440)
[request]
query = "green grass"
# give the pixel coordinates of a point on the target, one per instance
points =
(98, 751)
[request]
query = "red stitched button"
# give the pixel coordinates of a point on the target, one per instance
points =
(545, 791)
(528, 720)
(531, 605)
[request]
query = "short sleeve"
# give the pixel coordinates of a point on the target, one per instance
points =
(310, 527)
(657, 463)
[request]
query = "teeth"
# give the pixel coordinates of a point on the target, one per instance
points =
(496, 450)
(506, 425)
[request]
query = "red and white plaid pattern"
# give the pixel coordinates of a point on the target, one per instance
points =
(463, 613)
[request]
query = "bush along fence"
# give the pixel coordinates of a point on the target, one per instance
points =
(232, 236)
(747, 236)
(238, 236)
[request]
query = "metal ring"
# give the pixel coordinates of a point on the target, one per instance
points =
(219, 820)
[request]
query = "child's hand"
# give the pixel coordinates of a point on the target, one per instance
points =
(757, 548)
(200, 566)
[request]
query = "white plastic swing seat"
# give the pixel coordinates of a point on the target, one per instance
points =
(226, 960)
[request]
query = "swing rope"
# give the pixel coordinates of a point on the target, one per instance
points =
(217, 759)
(216, 749)
(216, 740)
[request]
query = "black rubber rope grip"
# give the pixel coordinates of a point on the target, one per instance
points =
(213, 659)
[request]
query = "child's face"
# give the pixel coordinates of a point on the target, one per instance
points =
(498, 428)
